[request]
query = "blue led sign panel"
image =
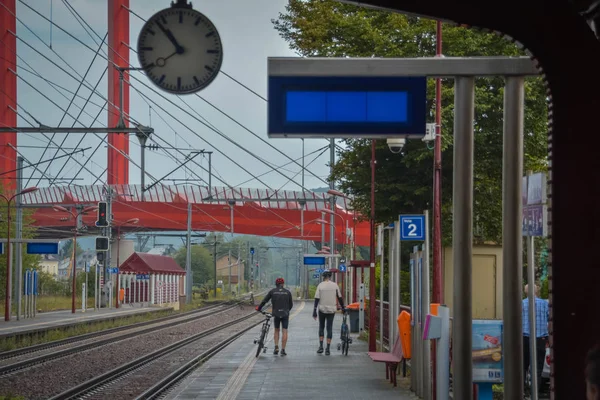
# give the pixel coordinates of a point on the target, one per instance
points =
(42, 248)
(314, 260)
(363, 107)
(347, 107)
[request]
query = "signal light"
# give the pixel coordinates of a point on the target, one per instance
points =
(102, 218)
(101, 244)
(251, 250)
(100, 256)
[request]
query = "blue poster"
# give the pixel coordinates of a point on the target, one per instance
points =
(487, 351)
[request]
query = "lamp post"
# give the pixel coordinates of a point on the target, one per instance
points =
(75, 216)
(8, 255)
(128, 222)
(331, 212)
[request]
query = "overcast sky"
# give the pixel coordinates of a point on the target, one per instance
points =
(248, 39)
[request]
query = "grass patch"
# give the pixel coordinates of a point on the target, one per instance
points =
(49, 303)
(13, 342)
(12, 397)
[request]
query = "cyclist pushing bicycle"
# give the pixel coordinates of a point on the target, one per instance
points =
(282, 303)
(325, 303)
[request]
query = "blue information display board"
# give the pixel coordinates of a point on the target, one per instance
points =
(42, 248)
(314, 260)
(369, 107)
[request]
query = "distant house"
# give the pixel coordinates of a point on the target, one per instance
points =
(63, 267)
(166, 250)
(88, 257)
(223, 270)
(49, 264)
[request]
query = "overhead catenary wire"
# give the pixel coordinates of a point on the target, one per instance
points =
(225, 114)
(85, 45)
(54, 84)
(85, 104)
(83, 80)
(267, 185)
(89, 68)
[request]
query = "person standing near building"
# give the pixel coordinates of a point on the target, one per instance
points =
(592, 374)
(282, 303)
(541, 333)
(325, 301)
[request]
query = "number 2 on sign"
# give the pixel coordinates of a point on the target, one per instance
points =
(412, 230)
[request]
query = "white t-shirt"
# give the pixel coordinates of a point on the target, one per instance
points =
(327, 293)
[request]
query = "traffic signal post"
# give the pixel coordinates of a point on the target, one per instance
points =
(104, 220)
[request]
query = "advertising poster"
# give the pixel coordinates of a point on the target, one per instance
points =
(487, 351)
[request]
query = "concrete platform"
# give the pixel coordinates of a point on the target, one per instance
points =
(62, 319)
(236, 373)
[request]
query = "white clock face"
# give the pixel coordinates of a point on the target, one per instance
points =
(180, 50)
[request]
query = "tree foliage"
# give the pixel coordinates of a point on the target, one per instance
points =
(324, 28)
(202, 264)
(203, 261)
(66, 249)
(30, 261)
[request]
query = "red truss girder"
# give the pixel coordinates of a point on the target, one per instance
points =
(8, 85)
(118, 55)
(248, 219)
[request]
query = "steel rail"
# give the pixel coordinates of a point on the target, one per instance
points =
(115, 374)
(165, 384)
(74, 339)
(18, 366)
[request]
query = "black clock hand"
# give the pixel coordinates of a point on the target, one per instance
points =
(169, 34)
(162, 61)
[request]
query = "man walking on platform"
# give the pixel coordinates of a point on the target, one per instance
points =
(282, 303)
(541, 333)
(325, 299)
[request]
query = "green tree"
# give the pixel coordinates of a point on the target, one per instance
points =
(66, 249)
(29, 260)
(324, 28)
(202, 264)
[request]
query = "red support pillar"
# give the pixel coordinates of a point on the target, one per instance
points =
(8, 96)
(372, 294)
(118, 55)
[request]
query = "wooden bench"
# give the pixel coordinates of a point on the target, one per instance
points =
(391, 360)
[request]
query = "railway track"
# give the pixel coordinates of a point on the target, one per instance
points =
(79, 338)
(175, 361)
(70, 346)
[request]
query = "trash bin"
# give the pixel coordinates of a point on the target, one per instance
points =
(354, 320)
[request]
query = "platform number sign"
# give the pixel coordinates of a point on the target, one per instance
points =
(412, 227)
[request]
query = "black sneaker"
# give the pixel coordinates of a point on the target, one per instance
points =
(320, 350)
(327, 352)
(283, 353)
(276, 351)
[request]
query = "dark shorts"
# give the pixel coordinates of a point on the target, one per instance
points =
(284, 321)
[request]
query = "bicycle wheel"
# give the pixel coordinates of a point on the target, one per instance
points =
(347, 343)
(261, 343)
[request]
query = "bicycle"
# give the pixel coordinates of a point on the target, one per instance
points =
(263, 334)
(345, 336)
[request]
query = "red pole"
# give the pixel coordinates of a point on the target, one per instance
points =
(372, 311)
(118, 55)
(7, 310)
(74, 268)
(8, 100)
(118, 265)
(438, 292)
